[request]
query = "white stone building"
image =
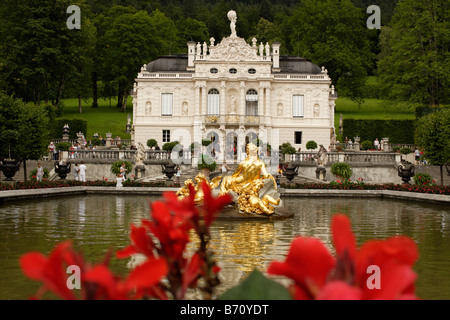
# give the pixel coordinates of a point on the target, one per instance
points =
(236, 92)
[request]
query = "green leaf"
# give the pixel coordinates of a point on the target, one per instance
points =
(257, 287)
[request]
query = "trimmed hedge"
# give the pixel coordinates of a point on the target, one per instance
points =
(75, 126)
(398, 131)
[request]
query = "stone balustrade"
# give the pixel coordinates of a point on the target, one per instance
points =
(109, 156)
(375, 157)
(299, 158)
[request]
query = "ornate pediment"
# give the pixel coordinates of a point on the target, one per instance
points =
(233, 49)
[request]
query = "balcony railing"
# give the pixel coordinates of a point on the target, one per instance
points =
(233, 120)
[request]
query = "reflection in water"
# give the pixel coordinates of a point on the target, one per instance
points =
(98, 223)
(81, 211)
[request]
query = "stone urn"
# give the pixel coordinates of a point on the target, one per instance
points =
(9, 167)
(406, 172)
(290, 172)
(62, 169)
(169, 170)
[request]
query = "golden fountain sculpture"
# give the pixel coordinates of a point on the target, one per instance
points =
(253, 188)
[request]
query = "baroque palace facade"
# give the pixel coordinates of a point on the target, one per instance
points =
(232, 93)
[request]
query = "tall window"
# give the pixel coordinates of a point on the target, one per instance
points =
(166, 104)
(298, 137)
(166, 135)
(297, 105)
(213, 102)
(251, 103)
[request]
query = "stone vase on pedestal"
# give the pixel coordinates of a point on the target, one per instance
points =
(9, 167)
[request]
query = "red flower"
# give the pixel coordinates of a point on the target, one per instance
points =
(49, 270)
(97, 282)
(319, 275)
(171, 222)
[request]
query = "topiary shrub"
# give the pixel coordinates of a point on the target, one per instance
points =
(151, 143)
(168, 146)
(310, 145)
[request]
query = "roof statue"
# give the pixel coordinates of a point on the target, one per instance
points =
(232, 16)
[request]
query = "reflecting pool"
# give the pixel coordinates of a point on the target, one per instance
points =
(97, 223)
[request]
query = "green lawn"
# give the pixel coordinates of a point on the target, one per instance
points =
(370, 109)
(102, 119)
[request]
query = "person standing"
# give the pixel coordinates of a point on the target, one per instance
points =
(376, 144)
(39, 172)
(178, 174)
(123, 171)
(417, 156)
(51, 149)
(76, 171)
(82, 172)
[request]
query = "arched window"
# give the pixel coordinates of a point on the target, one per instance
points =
(251, 103)
(213, 102)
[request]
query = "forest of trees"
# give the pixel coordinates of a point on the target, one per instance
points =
(42, 60)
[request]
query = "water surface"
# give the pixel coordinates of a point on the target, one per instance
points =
(97, 223)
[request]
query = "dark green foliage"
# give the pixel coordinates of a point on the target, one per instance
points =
(206, 142)
(287, 148)
(366, 145)
(334, 34)
(96, 141)
(42, 60)
(75, 126)
(405, 150)
(115, 167)
(342, 170)
(423, 179)
(206, 162)
(414, 62)
(422, 111)
(398, 131)
(23, 129)
(168, 146)
(310, 145)
(63, 146)
(151, 143)
(33, 174)
(433, 135)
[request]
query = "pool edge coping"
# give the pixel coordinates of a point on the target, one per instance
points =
(12, 195)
